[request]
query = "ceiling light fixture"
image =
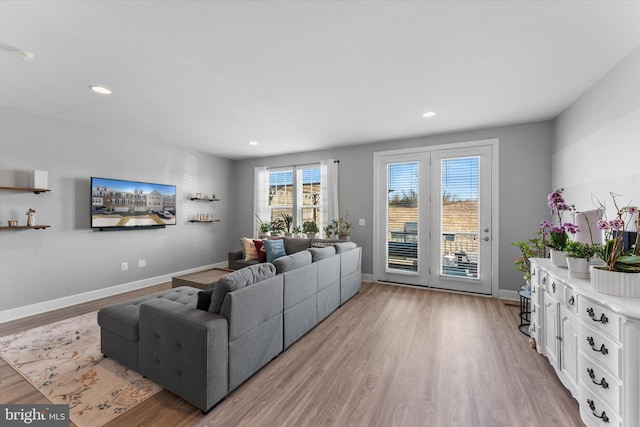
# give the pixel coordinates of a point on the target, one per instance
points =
(253, 143)
(101, 90)
(429, 114)
(17, 53)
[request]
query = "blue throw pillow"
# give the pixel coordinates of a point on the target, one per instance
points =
(274, 249)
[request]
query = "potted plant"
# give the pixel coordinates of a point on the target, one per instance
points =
(288, 222)
(277, 226)
(297, 230)
(264, 228)
(578, 258)
(620, 275)
(328, 231)
(532, 248)
(342, 227)
(311, 228)
(558, 236)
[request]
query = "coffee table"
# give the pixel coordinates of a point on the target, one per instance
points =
(201, 280)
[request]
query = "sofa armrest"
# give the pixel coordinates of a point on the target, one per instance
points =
(233, 257)
(185, 350)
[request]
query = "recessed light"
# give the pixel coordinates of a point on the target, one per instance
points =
(253, 143)
(101, 90)
(429, 114)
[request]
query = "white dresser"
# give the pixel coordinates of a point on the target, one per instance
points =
(593, 342)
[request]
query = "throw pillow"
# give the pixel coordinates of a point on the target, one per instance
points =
(321, 244)
(204, 300)
(239, 279)
(274, 249)
(250, 251)
(344, 247)
(291, 262)
(262, 255)
(321, 253)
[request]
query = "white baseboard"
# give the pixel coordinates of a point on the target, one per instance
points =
(367, 277)
(43, 307)
(510, 295)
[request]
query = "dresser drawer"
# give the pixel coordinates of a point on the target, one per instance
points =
(555, 288)
(594, 411)
(571, 299)
(600, 382)
(597, 316)
(601, 349)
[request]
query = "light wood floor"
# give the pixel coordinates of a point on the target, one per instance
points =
(391, 356)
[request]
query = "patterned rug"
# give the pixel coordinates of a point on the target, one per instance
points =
(63, 361)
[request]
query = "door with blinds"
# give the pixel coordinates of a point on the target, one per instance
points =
(433, 219)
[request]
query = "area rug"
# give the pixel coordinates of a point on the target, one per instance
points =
(63, 361)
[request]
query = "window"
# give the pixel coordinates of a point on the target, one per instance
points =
(295, 191)
(307, 192)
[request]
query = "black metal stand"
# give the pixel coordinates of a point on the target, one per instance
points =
(525, 311)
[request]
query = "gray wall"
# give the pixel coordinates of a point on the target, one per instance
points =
(597, 140)
(69, 258)
(525, 178)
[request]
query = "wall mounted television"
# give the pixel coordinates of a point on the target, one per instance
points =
(122, 205)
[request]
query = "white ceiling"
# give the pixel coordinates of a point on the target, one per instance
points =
(305, 75)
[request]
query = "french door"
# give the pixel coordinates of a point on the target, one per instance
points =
(433, 222)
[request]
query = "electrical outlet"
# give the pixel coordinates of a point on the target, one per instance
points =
(142, 263)
(125, 266)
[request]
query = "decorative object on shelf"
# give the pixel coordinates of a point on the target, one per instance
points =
(198, 195)
(31, 217)
(12, 223)
(558, 233)
(39, 179)
(621, 274)
(310, 228)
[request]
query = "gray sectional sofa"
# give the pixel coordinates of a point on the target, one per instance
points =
(201, 345)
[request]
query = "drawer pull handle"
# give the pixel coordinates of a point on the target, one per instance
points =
(602, 348)
(603, 319)
(603, 383)
(602, 416)
(572, 300)
(553, 287)
(544, 280)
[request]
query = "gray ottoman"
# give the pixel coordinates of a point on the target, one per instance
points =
(119, 323)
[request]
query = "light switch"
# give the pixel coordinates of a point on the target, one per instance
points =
(361, 221)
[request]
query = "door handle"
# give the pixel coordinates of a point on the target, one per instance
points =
(486, 239)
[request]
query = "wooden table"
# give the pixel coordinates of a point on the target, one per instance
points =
(200, 280)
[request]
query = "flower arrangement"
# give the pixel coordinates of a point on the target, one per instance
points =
(612, 251)
(558, 236)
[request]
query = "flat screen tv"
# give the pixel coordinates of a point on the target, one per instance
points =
(120, 205)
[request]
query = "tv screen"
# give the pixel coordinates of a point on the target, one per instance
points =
(117, 204)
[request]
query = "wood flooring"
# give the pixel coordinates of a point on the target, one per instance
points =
(391, 356)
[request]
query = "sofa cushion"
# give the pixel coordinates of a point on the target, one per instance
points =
(291, 262)
(274, 249)
(239, 279)
(293, 245)
(321, 253)
(344, 247)
(250, 251)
